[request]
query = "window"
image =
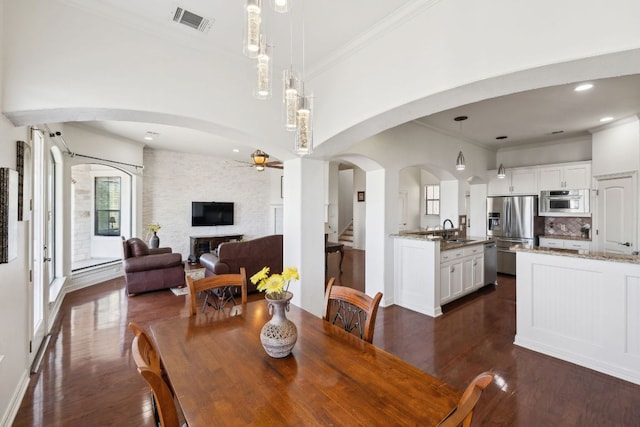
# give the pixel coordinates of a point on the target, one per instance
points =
(432, 198)
(107, 206)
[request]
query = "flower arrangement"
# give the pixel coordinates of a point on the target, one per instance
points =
(276, 285)
(153, 227)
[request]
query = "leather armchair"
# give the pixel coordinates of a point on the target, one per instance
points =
(253, 255)
(150, 269)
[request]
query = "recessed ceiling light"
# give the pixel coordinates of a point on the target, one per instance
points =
(235, 150)
(606, 119)
(583, 87)
(502, 137)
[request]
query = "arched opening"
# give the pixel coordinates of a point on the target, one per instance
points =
(100, 213)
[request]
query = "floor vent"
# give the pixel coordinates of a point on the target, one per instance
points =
(192, 20)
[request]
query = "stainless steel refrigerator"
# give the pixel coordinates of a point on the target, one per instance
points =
(513, 220)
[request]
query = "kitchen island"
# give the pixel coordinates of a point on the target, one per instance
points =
(430, 271)
(582, 307)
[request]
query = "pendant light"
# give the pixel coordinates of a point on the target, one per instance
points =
(264, 68)
(290, 90)
(460, 164)
(501, 172)
(253, 28)
(304, 115)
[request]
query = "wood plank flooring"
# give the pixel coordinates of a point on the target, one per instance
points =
(88, 378)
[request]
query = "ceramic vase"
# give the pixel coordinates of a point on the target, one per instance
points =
(279, 335)
(154, 242)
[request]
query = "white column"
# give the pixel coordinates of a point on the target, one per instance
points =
(304, 217)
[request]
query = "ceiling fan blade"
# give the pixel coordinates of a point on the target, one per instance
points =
(274, 165)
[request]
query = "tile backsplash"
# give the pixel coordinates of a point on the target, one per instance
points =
(565, 226)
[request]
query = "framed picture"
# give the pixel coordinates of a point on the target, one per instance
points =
(8, 214)
(23, 167)
(361, 196)
(281, 186)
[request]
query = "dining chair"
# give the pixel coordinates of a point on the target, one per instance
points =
(217, 286)
(149, 366)
(463, 412)
(353, 309)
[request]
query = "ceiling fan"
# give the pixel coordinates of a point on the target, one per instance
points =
(260, 161)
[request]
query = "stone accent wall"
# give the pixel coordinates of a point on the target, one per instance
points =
(81, 205)
(173, 180)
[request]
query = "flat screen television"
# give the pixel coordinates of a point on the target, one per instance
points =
(211, 213)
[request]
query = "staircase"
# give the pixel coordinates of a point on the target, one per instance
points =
(346, 238)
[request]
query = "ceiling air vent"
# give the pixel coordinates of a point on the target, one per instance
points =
(192, 20)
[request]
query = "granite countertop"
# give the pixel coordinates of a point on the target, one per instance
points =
(444, 244)
(599, 256)
(565, 237)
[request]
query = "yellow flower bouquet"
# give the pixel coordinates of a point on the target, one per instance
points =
(276, 285)
(153, 227)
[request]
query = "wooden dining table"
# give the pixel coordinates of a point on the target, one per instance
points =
(222, 376)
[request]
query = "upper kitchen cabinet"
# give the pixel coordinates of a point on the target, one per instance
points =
(518, 181)
(565, 176)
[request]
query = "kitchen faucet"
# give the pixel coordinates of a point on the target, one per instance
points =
(444, 226)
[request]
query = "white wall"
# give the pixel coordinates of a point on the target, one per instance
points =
(544, 153)
(449, 202)
(345, 199)
(173, 180)
(14, 336)
(616, 148)
(410, 182)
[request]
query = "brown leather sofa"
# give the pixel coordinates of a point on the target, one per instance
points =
(150, 269)
(253, 255)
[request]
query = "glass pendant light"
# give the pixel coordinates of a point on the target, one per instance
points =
(253, 28)
(264, 68)
(460, 164)
(501, 172)
(290, 96)
(304, 124)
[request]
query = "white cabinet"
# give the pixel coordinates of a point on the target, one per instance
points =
(518, 181)
(570, 176)
(461, 272)
(576, 245)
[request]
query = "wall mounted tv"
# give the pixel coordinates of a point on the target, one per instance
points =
(211, 213)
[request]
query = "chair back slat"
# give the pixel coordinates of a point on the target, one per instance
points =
(216, 281)
(353, 308)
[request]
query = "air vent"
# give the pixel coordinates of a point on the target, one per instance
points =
(192, 20)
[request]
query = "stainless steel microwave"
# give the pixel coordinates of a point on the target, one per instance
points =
(565, 203)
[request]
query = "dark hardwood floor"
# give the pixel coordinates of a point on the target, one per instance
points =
(88, 378)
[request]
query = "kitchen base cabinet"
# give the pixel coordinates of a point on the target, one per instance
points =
(576, 245)
(461, 272)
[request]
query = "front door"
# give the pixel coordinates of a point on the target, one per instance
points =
(616, 226)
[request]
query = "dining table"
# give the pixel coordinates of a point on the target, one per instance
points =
(222, 376)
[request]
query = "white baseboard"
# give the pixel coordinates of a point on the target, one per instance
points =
(12, 410)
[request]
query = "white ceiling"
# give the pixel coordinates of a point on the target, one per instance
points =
(333, 27)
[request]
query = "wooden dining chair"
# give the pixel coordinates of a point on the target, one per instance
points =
(149, 366)
(351, 308)
(463, 412)
(219, 282)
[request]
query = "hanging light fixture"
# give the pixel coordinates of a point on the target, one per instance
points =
(290, 90)
(264, 68)
(260, 159)
(304, 125)
(460, 164)
(501, 172)
(280, 6)
(304, 115)
(253, 28)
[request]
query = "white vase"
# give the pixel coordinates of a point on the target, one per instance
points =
(279, 335)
